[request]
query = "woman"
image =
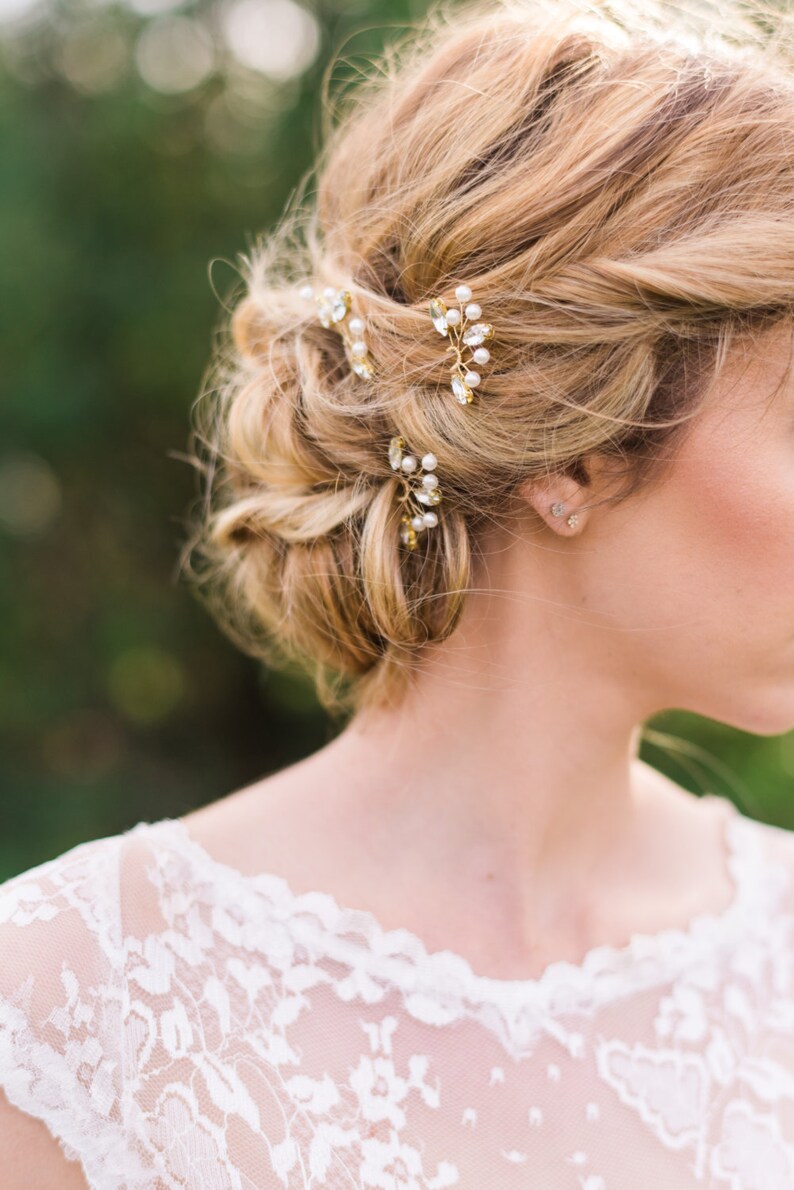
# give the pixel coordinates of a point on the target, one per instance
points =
(502, 445)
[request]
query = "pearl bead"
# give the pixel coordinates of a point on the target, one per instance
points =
(408, 463)
(356, 326)
(358, 347)
(329, 291)
(473, 310)
(418, 522)
(306, 292)
(472, 379)
(430, 481)
(481, 355)
(452, 317)
(430, 519)
(429, 462)
(463, 293)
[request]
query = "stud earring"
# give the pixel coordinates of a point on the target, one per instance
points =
(558, 509)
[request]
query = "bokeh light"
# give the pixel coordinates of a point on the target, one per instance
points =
(16, 10)
(174, 53)
(146, 683)
(277, 37)
(83, 745)
(93, 58)
(30, 494)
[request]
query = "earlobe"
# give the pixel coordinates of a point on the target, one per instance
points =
(555, 501)
(559, 509)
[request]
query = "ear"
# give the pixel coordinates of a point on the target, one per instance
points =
(555, 499)
(571, 497)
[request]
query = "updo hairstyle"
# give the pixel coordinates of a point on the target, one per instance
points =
(616, 187)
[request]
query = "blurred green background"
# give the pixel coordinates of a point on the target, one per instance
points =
(144, 144)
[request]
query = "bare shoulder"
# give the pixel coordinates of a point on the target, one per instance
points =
(317, 825)
(291, 823)
(32, 1156)
(701, 812)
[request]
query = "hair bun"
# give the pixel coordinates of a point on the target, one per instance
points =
(619, 213)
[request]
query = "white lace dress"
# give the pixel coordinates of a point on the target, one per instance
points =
(178, 1024)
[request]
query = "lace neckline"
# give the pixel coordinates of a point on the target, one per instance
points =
(435, 981)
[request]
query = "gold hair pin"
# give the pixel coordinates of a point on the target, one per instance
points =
(333, 307)
(421, 486)
(465, 330)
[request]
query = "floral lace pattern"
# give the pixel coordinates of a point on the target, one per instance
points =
(176, 1023)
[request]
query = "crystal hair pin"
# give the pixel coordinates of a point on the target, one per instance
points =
(465, 330)
(421, 487)
(334, 308)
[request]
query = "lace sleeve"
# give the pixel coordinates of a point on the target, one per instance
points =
(60, 1003)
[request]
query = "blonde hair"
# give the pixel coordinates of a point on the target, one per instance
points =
(619, 197)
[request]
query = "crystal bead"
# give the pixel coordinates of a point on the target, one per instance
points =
(362, 367)
(438, 313)
(430, 496)
(462, 390)
(326, 313)
(407, 533)
(340, 305)
(477, 334)
(396, 445)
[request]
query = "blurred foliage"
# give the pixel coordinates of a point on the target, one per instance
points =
(143, 146)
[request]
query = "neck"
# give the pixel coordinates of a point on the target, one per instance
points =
(513, 761)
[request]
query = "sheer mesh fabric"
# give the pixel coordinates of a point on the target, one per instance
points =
(176, 1023)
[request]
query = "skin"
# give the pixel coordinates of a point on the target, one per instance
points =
(32, 1157)
(502, 812)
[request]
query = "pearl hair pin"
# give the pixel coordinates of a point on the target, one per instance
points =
(421, 489)
(333, 306)
(464, 329)
(421, 486)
